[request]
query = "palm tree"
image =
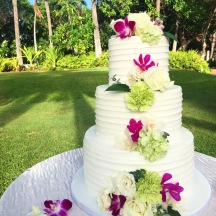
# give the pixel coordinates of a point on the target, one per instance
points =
(17, 33)
(37, 14)
(49, 22)
(97, 42)
(158, 2)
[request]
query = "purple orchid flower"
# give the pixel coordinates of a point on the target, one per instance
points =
(57, 208)
(173, 189)
(159, 22)
(118, 202)
(134, 127)
(124, 28)
(143, 63)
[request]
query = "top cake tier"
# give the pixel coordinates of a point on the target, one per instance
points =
(123, 51)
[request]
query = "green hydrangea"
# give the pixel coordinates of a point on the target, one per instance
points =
(151, 34)
(152, 145)
(140, 98)
(148, 188)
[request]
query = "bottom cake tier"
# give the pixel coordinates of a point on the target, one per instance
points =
(193, 205)
(103, 158)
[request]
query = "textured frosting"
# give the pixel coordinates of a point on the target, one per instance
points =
(123, 51)
(103, 158)
(112, 114)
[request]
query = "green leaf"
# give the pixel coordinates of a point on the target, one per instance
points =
(172, 212)
(169, 35)
(165, 135)
(119, 87)
(138, 174)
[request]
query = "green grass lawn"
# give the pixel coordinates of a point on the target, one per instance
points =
(45, 113)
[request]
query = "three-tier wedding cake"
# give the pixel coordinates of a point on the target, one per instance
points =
(138, 159)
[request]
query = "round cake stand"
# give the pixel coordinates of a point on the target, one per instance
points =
(195, 205)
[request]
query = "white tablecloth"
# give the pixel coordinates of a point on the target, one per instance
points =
(51, 179)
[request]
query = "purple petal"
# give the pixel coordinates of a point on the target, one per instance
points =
(132, 126)
(136, 63)
(119, 26)
(163, 193)
(122, 200)
(66, 204)
(169, 186)
(135, 137)
(123, 34)
(48, 203)
(48, 211)
(166, 177)
(126, 22)
(146, 58)
(162, 27)
(152, 63)
(141, 59)
(175, 195)
(131, 25)
(139, 125)
(116, 212)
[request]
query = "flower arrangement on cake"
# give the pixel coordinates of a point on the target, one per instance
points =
(147, 138)
(140, 193)
(145, 78)
(140, 24)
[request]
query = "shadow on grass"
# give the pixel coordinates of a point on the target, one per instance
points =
(198, 89)
(21, 91)
(200, 124)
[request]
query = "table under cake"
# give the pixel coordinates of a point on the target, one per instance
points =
(51, 179)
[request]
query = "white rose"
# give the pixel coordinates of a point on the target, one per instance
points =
(141, 19)
(157, 79)
(134, 207)
(125, 183)
(103, 200)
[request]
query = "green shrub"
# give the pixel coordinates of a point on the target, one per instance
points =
(8, 64)
(188, 60)
(84, 61)
(4, 49)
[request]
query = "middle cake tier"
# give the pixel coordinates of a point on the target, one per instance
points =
(112, 114)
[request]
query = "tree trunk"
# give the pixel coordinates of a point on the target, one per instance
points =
(208, 23)
(35, 40)
(37, 14)
(49, 22)
(174, 48)
(17, 33)
(158, 2)
(213, 45)
(97, 42)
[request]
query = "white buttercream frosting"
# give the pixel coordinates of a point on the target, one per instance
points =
(103, 158)
(123, 51)
(112, 114)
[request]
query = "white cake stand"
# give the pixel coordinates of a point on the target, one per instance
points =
(195, 206)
